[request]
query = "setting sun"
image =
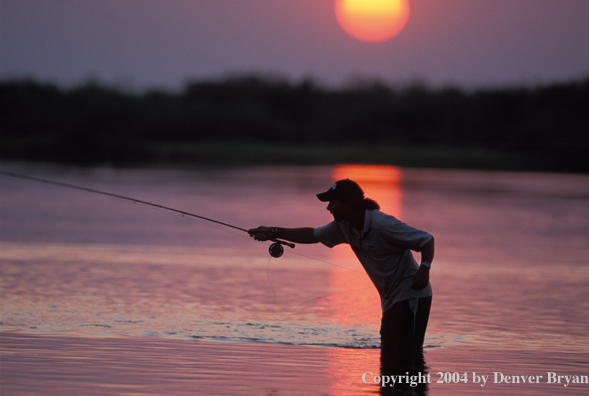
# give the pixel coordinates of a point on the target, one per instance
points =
(372, 20)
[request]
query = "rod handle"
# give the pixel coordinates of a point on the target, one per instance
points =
(290, 245)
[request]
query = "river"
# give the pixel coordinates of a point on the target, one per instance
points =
(510, 276)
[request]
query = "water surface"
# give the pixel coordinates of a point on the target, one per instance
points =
(509, 278)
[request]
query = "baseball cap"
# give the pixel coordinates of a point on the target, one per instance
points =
(346, 190)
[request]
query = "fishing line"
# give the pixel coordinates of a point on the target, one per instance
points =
(275, 250)
(272, 286)
(328, 263)
(292, 311)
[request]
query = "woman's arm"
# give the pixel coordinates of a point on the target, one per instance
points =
(427, 251)
(297, 235)
(421, 278)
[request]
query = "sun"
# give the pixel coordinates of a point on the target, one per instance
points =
(372, 20)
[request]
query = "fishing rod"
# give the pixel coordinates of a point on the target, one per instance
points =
(275, 250)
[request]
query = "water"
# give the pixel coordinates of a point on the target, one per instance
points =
(509, 278)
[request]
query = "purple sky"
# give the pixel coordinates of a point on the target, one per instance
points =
(163, 43)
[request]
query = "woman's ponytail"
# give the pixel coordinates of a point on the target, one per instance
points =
(367, 204)
(370, 204)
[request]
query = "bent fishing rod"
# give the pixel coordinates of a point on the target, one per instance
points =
(275, 250)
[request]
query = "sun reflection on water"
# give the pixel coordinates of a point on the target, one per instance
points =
(357, 302)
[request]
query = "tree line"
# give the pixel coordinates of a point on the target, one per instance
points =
(96, 123)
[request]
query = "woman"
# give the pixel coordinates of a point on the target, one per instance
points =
(383, 245)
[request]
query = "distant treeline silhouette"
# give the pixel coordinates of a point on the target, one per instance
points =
(545, 127)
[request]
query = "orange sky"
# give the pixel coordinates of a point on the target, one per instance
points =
(152, 43)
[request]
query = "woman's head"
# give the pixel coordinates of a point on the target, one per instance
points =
(344, 190)
(346, 195)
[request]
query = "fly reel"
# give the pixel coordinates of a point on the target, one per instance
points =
(276, 250)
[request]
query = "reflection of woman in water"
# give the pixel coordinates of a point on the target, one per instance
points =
(383, 246)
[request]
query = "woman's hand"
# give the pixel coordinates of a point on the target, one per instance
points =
(421, 278)
(261, 233)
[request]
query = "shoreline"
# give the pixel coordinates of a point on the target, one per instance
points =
(253, 119)
(215, 154)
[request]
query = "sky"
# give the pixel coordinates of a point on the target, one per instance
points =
(149, 44)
